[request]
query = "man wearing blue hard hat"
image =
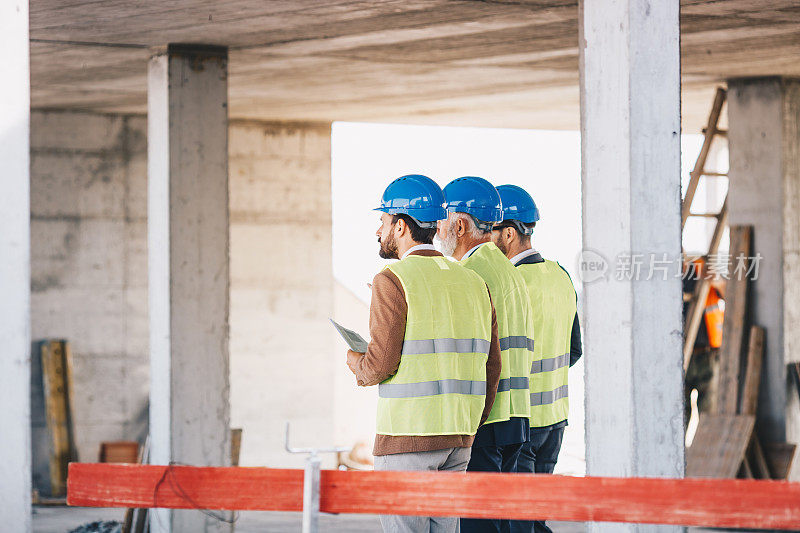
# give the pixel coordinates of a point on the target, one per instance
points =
(473, 208)
(434, 350)
(558, 334)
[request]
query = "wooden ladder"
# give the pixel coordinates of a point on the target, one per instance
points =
(702, 287)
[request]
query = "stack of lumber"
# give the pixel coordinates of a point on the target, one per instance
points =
(726, 444)
(51, 402)
(121, 451)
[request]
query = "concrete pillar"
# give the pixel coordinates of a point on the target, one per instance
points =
(764, 140)
(630, 126)
(188, 246)
(15, 279)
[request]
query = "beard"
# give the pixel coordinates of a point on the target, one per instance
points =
(388, 249)
(446, 246)
(501, 245)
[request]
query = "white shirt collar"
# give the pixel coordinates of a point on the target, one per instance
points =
(418, 247)
(472, 250)
(522, 255)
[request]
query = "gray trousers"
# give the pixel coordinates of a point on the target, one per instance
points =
(451, 459)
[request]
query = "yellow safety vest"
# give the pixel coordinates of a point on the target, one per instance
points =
(515, 330)
(553, 297)
(440, 385)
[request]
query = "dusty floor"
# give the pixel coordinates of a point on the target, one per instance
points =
(63, 519)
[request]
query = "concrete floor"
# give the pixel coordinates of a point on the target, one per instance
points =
(64, 519)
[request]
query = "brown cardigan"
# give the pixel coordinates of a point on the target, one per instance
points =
(387, 324)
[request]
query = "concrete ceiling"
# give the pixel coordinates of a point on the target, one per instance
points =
(478, 63)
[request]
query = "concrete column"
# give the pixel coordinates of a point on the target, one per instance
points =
(630, 126)
(15, 278)
(764, 140)
(188, 247)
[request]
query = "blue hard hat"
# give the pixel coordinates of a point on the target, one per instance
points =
(417, 196)
(518, 204)
(474, 196)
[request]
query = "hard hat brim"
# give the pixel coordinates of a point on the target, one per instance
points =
(425, 214)
(484, 214)
(526, 217)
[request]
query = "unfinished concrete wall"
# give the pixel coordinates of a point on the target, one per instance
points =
(89, 267)
(282, 360)
(89, 263)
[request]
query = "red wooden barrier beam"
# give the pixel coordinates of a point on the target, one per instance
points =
(691, 502)
(184, 487)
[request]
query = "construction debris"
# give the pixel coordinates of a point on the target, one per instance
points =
(99, 527)
(56, 360)
(719, 445)
(726, 444)
(119, 452)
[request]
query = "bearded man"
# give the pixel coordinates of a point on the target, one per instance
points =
(434, 352)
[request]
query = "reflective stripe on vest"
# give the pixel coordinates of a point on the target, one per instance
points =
(515, 326)
(431, 388)
(553, 299)
(440, 385)
(548, 365)
(507, 384)
(446, 346)
(517, 341)
(549, 397)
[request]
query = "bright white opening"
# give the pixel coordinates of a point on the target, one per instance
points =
(366, 157)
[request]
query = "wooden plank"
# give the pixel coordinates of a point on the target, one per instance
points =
(760, 467)
(119, 452)
(38, 499)
(709, 131)
(700, 502)
(695, 315)
(780, 457)
(733, 329)
(746, 470)
(719, 446)
(54, 375)
(70, 399)
(752, 377)
(748, 401)
(696, 312)
(693, 319)
(545, 497)
(236, 445)
(234, 488)
(719, 229)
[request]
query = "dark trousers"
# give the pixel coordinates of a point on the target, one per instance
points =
(538, 455)
(491, 459)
